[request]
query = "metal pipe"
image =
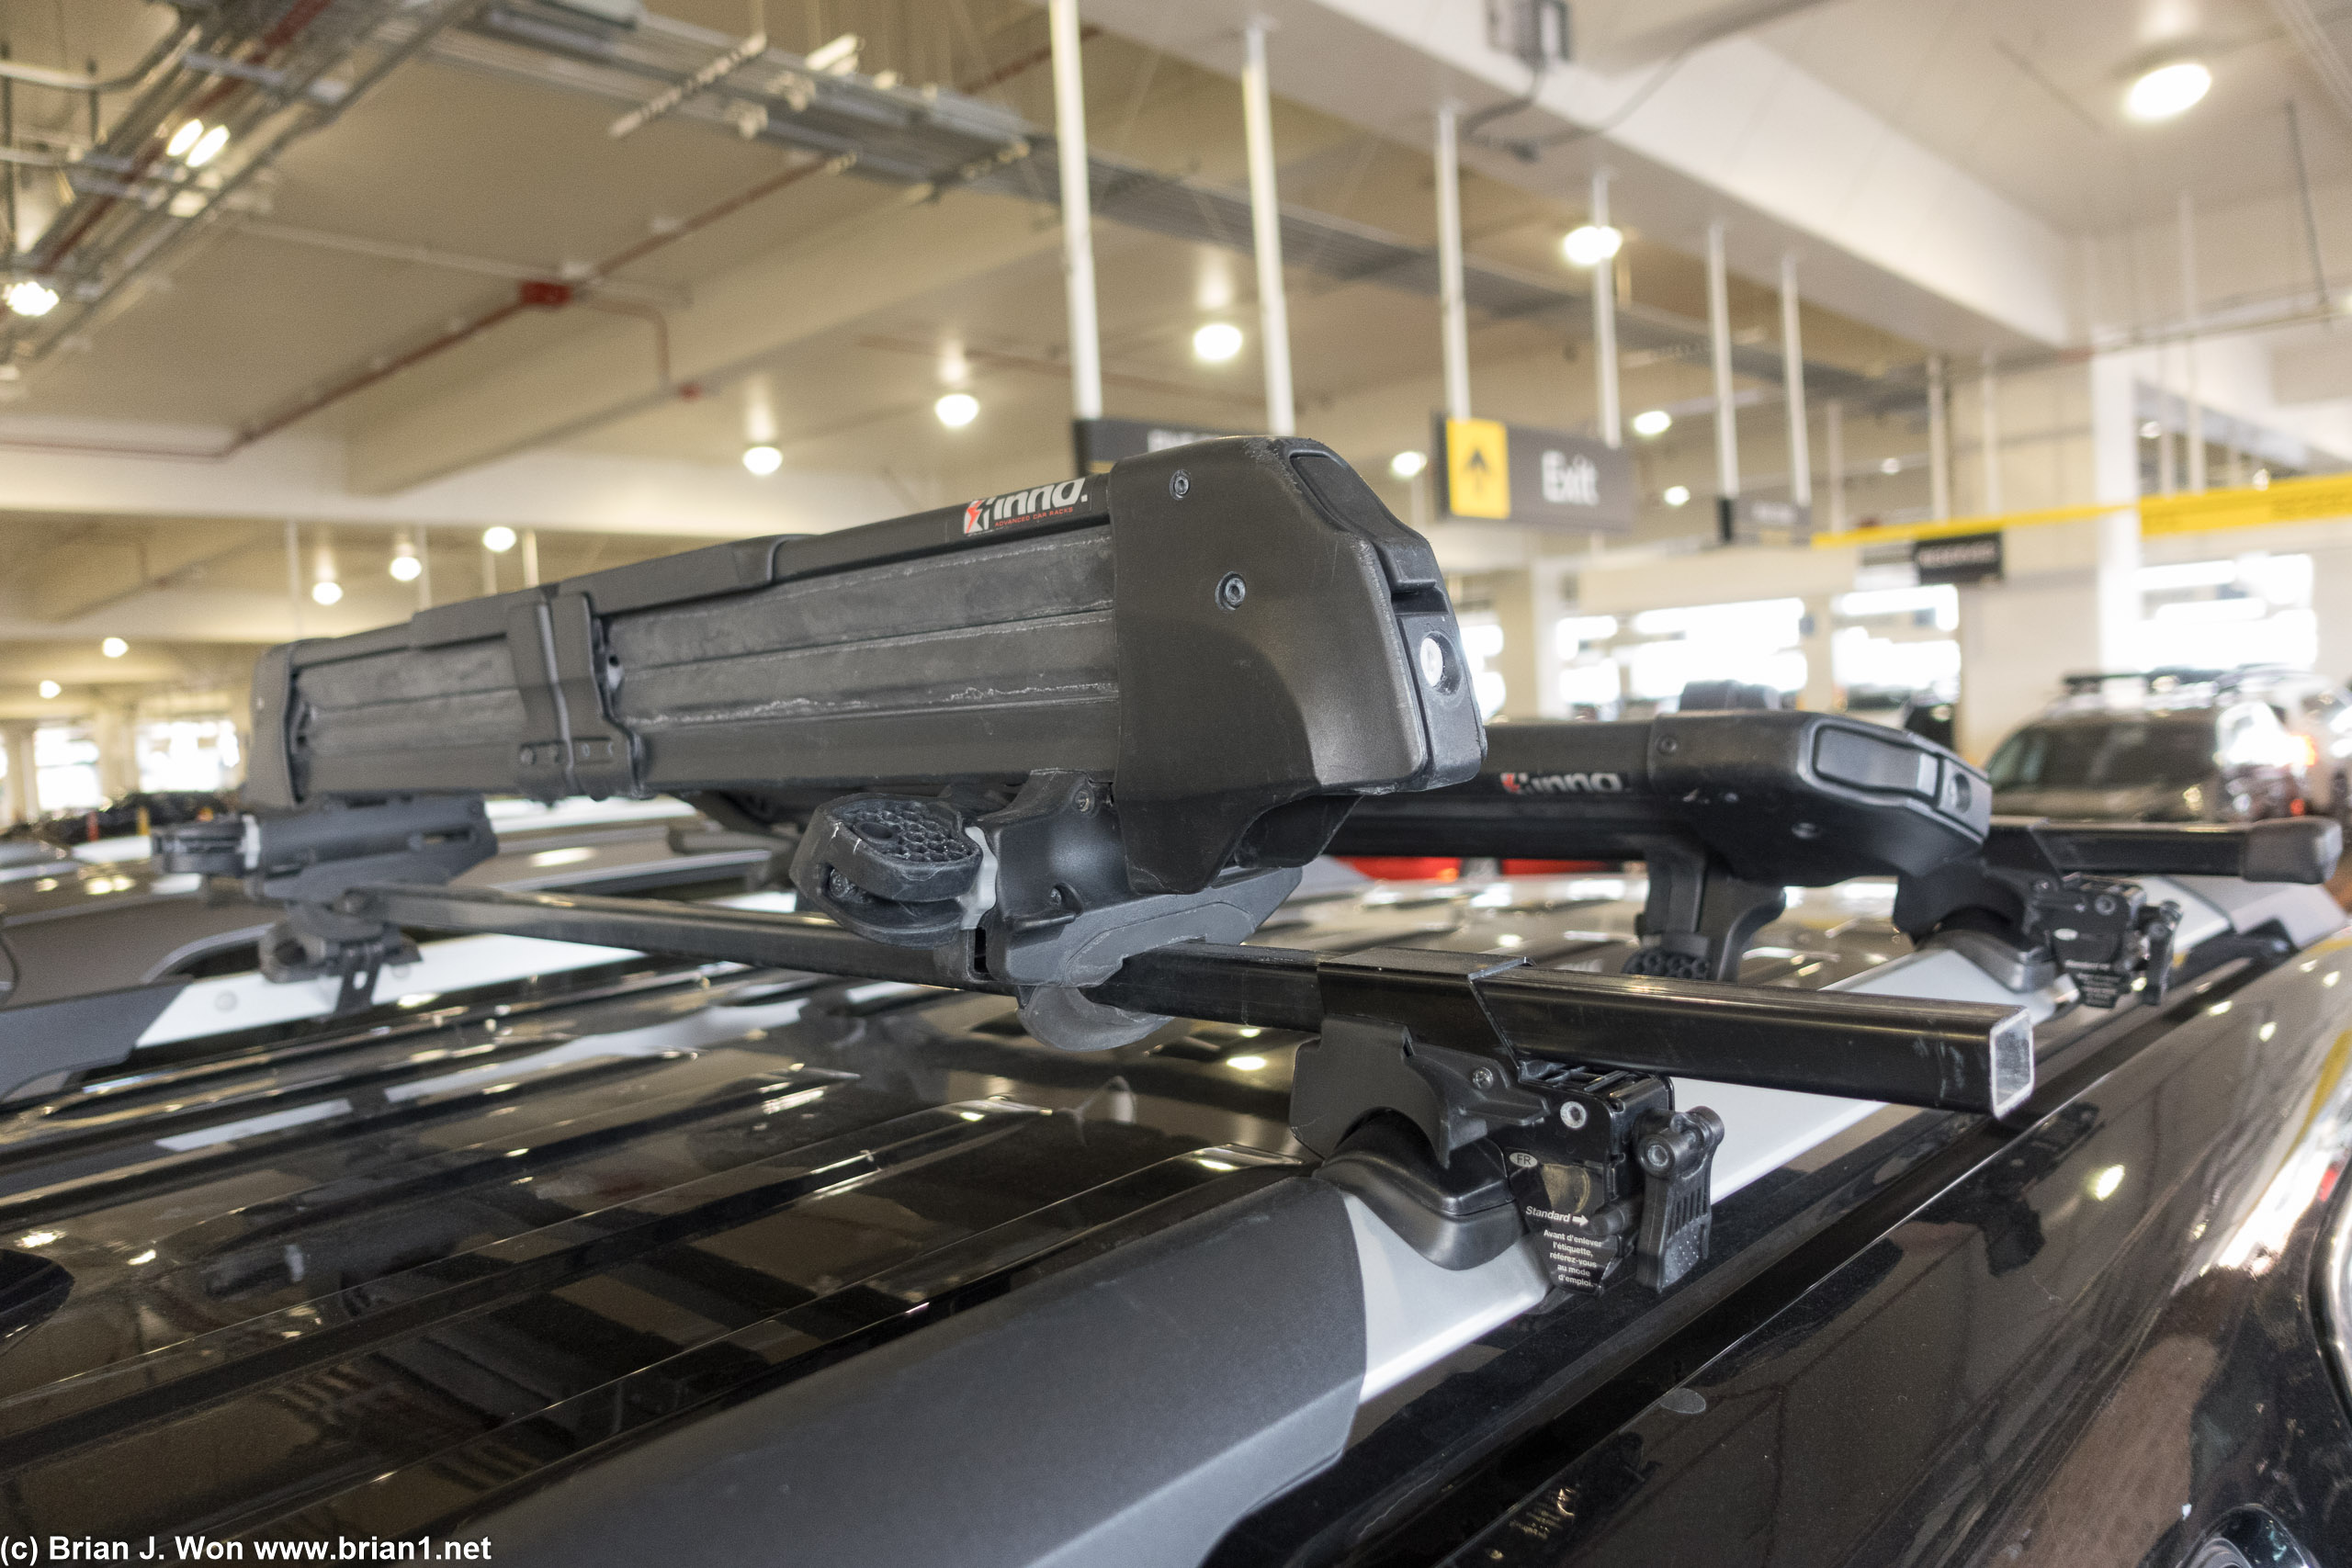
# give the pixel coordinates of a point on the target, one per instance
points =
(1454, 313)
(1077, 212)
(1792, 378)
(1719, 340)
(1604, 323)
(167, 46)
(1988, 420)
(1938, 441)
(1266, 231)
(2195, 434)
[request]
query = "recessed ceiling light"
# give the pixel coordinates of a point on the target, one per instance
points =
(208, 146)
(29, 297)
(956, 410)
(2151, 430)
(114, 648)
(1408, 465)
(2167, 90)
(407, 569)
(1677, 495)
(327, 591)
(1217, 341)
(1890, 466)
(1591, 244)
(49, 688)
(498, 538)
(762, 459)
(1653, 422)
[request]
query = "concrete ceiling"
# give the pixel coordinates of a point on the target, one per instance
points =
(834, 312)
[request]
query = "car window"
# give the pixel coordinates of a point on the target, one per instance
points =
(2106, 753)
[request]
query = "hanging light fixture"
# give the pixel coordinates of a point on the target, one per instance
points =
(405, 567)
(325, 587)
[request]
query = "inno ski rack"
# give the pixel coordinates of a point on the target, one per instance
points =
(1729, 808)
(1073, 745)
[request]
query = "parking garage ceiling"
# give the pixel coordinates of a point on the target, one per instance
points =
(828, 306)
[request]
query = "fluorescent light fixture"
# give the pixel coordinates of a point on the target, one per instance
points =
(49, 689)
(326, 590)
(207, 147)
(1216, 342)
(498, 538)
(1591, 244)
(2167, 90)
(114, 648)
(956, 410)
(1677, 495)
(1653, 422)
(1408, 465)
(183, 138)
(30, 296)
(762, 459)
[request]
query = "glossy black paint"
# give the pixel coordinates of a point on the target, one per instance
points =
(2096, 1346)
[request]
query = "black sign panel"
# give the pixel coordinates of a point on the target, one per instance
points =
(1549, 477)
(1098, 442)
(1961, 557)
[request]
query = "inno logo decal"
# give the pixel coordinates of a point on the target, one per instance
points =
(1565, 784)
(1022, 506)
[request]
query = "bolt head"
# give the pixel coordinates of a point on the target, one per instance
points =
(1482, 1079)
(1572, 1114)
(1180, 484)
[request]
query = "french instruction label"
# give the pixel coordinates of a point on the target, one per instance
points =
(1573, 1253)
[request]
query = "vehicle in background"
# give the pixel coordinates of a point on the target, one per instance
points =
(76, 928)
(132, 815)
(2182, 746)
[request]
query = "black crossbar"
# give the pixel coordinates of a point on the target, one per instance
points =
(1948, 1056)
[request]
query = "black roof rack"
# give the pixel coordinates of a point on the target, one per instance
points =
(1073, 743)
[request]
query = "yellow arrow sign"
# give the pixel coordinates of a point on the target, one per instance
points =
(1478, 468)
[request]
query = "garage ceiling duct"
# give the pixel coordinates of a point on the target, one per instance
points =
(257, 74)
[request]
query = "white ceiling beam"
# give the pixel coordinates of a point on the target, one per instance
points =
(1891, 232)
(600, 372)
(77, 466)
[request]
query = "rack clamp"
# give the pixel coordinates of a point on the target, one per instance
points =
(2045, 900)
(1036, 893)
(312, 864)
(1597, 1164)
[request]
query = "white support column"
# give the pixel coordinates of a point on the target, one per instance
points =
(1719, 337)
(1938, 441)
(1988, 434)
(530, 558)
(424, 567)
(23, 798)
(1792, 378)
(2115, 476)
(2195, 435)
(1832, 449)
(1077, 212)
(1266, 231)
(1454, 313)
(1604, 323)
(294, 573)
